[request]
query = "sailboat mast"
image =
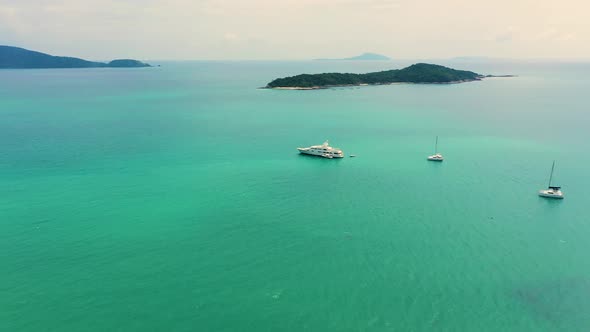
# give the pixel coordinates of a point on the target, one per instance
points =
(436, 145)
(551, 175)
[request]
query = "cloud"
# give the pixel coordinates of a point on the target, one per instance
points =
(553, 34)
(508, 35)
(505, 37)
(230, 36)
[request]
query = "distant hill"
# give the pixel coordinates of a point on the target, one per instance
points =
(126, 63)
(364, 56)
(417, 73)
(20, 58)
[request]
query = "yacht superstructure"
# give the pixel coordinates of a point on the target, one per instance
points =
(324, 150)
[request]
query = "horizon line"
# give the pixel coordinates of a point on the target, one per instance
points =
(458, 58)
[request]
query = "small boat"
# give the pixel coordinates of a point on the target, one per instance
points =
(436, 156)
(551, 191)
(324, 150)
(352, 155)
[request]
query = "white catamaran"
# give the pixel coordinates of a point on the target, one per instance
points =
(324, 150)
(436, 156)
(551, 191)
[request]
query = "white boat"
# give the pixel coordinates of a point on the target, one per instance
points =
(551, 191)
(324, 150)
(436, 156)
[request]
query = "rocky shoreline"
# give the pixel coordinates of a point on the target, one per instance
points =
(366, 84)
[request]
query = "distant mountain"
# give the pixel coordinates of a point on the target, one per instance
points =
(364, 56)
(20, 58)
(417, 73)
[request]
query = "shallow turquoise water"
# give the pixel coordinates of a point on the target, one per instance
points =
(173, 199)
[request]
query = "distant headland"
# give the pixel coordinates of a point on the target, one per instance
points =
(364, 56)
(20, 58)
(421, 73)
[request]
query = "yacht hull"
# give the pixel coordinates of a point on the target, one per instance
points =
(320, 155)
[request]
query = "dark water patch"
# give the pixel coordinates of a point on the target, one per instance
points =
(41, 221)
(563, 303)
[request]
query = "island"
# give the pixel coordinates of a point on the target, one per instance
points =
(19, 58)
(423, 73)
(364, 56)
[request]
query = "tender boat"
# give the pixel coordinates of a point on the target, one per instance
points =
(324, 150)
(551, 191)
(436, 156)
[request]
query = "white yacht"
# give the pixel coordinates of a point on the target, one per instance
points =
(551, 191)
(436, 156)
(324, 150)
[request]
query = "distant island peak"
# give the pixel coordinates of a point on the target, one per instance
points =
(19, 58)
(364, 56)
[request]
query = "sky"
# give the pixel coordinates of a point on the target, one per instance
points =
(298, 29)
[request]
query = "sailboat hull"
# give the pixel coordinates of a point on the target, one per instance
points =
(551, 194)
(436, 157)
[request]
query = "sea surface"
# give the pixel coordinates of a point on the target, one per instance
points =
(173, 199)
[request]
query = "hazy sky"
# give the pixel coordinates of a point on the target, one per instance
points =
(298, 29)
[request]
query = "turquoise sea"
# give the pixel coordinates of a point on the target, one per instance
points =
(173, 199)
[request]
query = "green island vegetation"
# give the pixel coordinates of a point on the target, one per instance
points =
(417, 73)
(20, 58)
